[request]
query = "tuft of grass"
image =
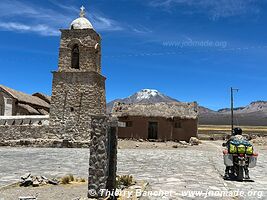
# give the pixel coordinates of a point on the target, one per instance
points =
(124, 180)
(82, 180)
(65, 180)
(71, 177)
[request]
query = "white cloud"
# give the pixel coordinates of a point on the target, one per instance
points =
(105, 24)
(26, 17)
(214, 8)
(14, 26)
(40, 29)
(140, 29)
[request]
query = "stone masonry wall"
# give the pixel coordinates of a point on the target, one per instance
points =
(89, 43)
(98, 163)
(77, 93)
(18, 132)
(76, 96)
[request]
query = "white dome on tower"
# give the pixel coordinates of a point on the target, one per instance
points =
(81, 22)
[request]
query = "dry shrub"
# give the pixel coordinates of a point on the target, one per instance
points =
(82, 180)
(71, 177)
(65, 180)
(124, 180)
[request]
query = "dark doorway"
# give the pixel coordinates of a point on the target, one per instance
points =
(152, 130)
(1, 110)
(2, 104)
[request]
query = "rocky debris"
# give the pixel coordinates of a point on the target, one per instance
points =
(252, 136)
(27, 198)
(36, 181)
(53, 182)
(49, 143)
(183, 142)
(262, 141)
(27, 182)
(141, 140)
(25, 176)
(180, 144)
(194, 141)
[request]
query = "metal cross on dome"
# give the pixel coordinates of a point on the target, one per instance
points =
(82, 13)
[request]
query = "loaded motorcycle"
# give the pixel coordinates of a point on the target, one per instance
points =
(238, 158)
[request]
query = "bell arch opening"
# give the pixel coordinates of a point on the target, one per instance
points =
(75, 57)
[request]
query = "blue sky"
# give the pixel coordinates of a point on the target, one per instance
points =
(192, 50)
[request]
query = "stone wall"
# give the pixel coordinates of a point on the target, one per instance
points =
(37, 127)
(76, 96)
(77, 93)
(89, 43)
(18, 132)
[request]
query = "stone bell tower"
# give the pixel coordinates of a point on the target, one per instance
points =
(78, 86)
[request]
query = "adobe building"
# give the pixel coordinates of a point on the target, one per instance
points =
(13, 102)
(78, 87)
(159, 121)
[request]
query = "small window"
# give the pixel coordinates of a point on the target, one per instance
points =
(129, 124)
(177, 125)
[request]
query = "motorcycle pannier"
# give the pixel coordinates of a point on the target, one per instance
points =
(228, 160)
(232, 148)
(241, 149)
(252, 161)
(249, 150)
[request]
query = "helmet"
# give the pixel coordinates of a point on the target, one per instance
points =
(237, 131)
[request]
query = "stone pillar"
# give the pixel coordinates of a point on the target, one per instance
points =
(98, 163)
(112, 155)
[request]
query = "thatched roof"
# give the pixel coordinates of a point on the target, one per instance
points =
(24, 98)
(29, 109)
(43, 112)
(42, 96)
(166, 110)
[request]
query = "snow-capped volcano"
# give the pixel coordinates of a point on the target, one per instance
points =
(144, 96)
(147, 94)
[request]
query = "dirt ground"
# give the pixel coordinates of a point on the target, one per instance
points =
(136, 144)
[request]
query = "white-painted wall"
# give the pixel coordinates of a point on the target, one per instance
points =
(8, 107)
(24, 120)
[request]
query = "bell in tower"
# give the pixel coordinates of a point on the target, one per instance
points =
(78, 86)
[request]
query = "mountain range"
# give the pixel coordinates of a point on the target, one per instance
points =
(255, 114)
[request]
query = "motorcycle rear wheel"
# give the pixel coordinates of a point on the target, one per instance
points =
(240, 173)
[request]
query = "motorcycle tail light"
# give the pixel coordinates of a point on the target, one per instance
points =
(242, 155)
(255, 154)
(225, 152)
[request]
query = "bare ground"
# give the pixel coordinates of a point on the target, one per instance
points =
(197, 168)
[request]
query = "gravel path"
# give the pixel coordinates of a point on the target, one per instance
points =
(174, 171)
